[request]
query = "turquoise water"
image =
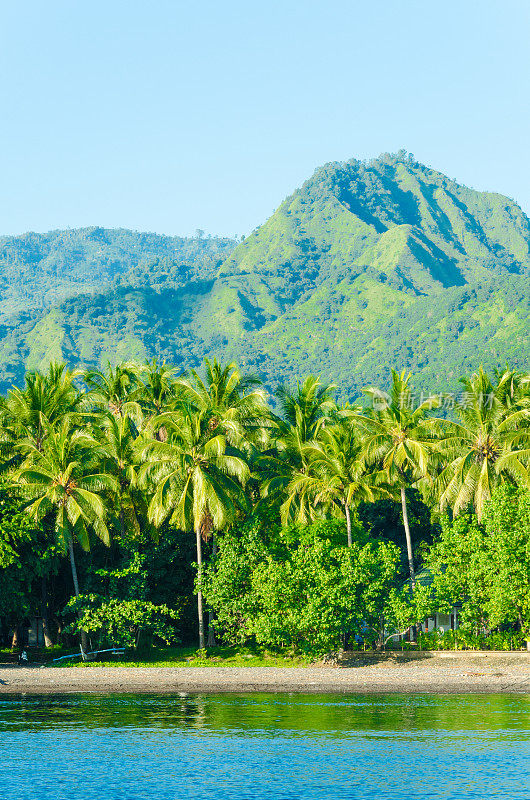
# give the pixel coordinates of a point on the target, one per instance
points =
(279, 747)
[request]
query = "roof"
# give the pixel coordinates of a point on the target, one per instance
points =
(424, 577)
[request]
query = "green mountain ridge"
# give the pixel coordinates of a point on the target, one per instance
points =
(38, 270)
(367, 265)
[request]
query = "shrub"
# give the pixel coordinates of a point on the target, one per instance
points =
(466, 640)
(486, 566)
(119, 623)
(301, 588)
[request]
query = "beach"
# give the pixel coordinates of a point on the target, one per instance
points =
(491, 672)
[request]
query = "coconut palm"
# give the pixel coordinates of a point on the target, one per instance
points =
(46, 397)
(303, 415)
(196, 479)
(489, 443)
(513, 388)
(334, 477)
(115, 390)
(234, 398)
(59, 478)
(399, 440)
(304, 411)
(157, 386)
(118, 456)
(157, 392)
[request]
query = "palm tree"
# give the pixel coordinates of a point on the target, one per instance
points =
(58, 477)
(158, 391)
(513, 387)
(196, 478)
(157, 386)
(400, 441)
(26, 413)
(115, 390)
(118, 456)
(305, 410)
(304, 414)
(234, 398)
(334, 476)
(489, 443)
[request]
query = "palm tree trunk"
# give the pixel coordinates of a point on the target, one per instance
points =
(348, 522)
(211, 616)
(407, 536)
(409, 552)
(122, 519)
(44, 613)
(199, 582)
(84, 637)
(73, 566)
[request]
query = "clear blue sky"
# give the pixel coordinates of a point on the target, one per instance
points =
(170, 116)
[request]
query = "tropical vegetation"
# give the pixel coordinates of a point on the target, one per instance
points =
(298, 523)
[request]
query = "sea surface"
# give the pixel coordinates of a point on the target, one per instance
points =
(274, 746)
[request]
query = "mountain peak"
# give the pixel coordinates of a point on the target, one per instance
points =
(368, 264)
(347, 214)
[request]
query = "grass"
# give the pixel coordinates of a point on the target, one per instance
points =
(191, 657)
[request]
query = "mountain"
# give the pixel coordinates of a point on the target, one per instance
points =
(367, 265)
(38, 270)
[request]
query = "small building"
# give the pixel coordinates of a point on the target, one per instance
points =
(441, 622)
(30, 633)
(35, 632)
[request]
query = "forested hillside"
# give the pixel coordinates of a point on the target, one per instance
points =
(368, 264)
(41, 269)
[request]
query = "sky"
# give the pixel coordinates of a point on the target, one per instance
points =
(168, 116)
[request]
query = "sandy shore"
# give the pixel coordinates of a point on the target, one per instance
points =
(445, 673)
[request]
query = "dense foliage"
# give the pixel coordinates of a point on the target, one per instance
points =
(41, 269)
(300, 587)
(301, 527)
(487, 564)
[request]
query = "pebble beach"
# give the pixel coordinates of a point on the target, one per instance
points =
(435, 673)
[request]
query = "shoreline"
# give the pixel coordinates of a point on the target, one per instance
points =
(499, 673)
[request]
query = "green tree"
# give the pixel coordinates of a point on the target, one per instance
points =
(383, 519)
(196, 479)
(27, 559)
(400, 441)
(157, 386)
(115, 390)
(118, 456)
(237, 400)
(60, 479)
(300, 588)
(120, 623)
(333, 477)
(26, 413)
(240, 404)
(490, 442)
(121, 613)
(486, 565)
(303, 414)
(158, 391)
(304, 411)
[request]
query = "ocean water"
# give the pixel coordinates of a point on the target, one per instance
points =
(274, 746)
